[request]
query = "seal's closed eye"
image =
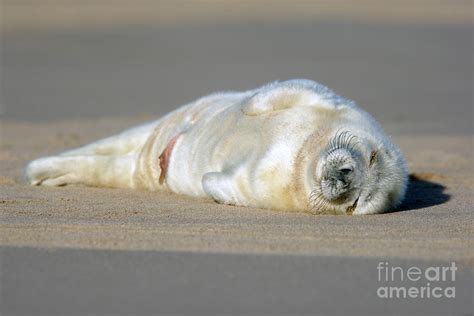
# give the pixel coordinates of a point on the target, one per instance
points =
(373, 157)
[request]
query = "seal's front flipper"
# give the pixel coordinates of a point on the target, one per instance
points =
(220, 187)
(288, 94)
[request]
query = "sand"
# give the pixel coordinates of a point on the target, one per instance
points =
(110, 251)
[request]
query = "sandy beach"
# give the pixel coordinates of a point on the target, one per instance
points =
(64, 85)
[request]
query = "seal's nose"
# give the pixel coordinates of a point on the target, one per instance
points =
(336, 182)
(338, 173)
(341, 175)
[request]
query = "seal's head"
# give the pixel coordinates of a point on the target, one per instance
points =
(358, 175)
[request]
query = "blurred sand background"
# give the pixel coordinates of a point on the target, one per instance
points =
(55, 14)
(75, 71)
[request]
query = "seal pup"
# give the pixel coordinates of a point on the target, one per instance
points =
(292, 145)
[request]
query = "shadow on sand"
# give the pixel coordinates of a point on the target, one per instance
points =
(423, 192)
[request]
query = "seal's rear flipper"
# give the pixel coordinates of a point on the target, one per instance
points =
(107, 171)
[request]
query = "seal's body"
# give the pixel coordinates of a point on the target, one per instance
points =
(292, 145)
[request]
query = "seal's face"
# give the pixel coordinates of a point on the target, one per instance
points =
(354, 175)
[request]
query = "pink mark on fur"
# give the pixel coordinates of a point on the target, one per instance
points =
(165, 157)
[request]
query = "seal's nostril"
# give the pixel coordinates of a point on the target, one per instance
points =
(345, 170)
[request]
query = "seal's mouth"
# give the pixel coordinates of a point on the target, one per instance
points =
(352, 208)
(321, 205)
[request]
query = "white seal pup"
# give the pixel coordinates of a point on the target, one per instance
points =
(292, 145)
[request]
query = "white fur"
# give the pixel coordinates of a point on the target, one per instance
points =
(261, 148)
